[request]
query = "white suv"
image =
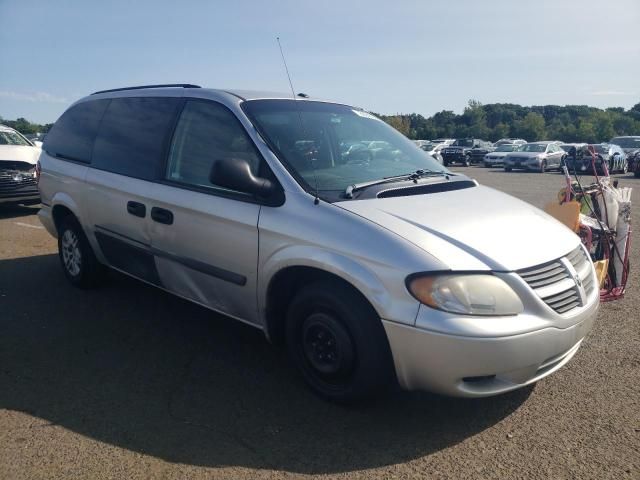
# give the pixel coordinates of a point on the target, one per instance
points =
(324, 227)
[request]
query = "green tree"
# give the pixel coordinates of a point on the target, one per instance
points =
(603, 125)
(501, 130)
(532, 127)
(586, 132)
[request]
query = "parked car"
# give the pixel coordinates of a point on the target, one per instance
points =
(510, 141)
(572, 151)
(420, 143)
(390, 270)
(434, 149)
(629, 144)
(539, 156)
(18, 157)
(466, 151)
(446, 141)
(496, 158)
(579, 158)
(635, 161)
(613, 156)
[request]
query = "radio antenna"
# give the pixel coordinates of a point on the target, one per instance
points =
(316, 200)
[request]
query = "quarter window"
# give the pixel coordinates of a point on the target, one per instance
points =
(132, 135)
(73, 134)
(206, 133)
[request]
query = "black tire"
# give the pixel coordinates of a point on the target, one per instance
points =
(636, 173)
(79, 263)
(543, 166)
(467, 160)
(338, 343)
(446, 163)
(507, 169)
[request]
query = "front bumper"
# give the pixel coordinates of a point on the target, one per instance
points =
(523, 164)
(479, 366)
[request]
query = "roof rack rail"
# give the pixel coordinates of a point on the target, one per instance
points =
(140, 87)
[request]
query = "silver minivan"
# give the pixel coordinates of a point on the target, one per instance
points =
(324, 227)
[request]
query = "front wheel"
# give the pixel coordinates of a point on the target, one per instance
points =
(338, 343)
(543, 166)
(467, 160)
(79, 263)
(507, 169)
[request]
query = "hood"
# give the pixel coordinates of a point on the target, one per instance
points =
(472, 229)
(20, 153)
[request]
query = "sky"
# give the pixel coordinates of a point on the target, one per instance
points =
(389, 56)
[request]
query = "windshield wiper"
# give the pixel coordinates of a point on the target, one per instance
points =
(348, 193)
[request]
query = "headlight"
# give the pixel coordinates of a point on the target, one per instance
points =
(468, 294)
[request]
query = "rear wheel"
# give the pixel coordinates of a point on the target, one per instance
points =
(338, 343)
(79, 263)
(625, 167)
(507, 169)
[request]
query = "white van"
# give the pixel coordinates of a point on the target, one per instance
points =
(324, 227)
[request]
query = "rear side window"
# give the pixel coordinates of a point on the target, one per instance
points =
(132, 134)
(73, 134)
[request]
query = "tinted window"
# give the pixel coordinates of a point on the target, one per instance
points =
(73, 134)
(132, 134)
(206, 132)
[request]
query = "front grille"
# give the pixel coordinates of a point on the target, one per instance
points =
(23, 186)
(563, 284)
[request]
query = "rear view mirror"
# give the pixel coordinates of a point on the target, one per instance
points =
(235, 174)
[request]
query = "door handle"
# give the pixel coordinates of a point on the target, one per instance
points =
(137, 209)
(162, 215)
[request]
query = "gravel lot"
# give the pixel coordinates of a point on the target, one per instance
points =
(129, 382)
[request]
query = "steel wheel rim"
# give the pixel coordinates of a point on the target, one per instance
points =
(327, 347)
(71, 256)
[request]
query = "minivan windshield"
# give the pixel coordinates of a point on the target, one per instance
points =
(333, 146)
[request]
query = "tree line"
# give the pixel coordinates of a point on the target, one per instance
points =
(571, 123)
(25, 127)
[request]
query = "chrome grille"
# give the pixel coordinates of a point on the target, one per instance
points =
(563, 284)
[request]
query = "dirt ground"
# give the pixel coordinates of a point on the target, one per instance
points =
(129, 382)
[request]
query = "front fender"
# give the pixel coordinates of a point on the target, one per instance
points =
(390, 298)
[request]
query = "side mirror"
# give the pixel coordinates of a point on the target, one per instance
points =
(235, 174)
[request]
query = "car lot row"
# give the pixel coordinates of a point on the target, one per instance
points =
(620, 154)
